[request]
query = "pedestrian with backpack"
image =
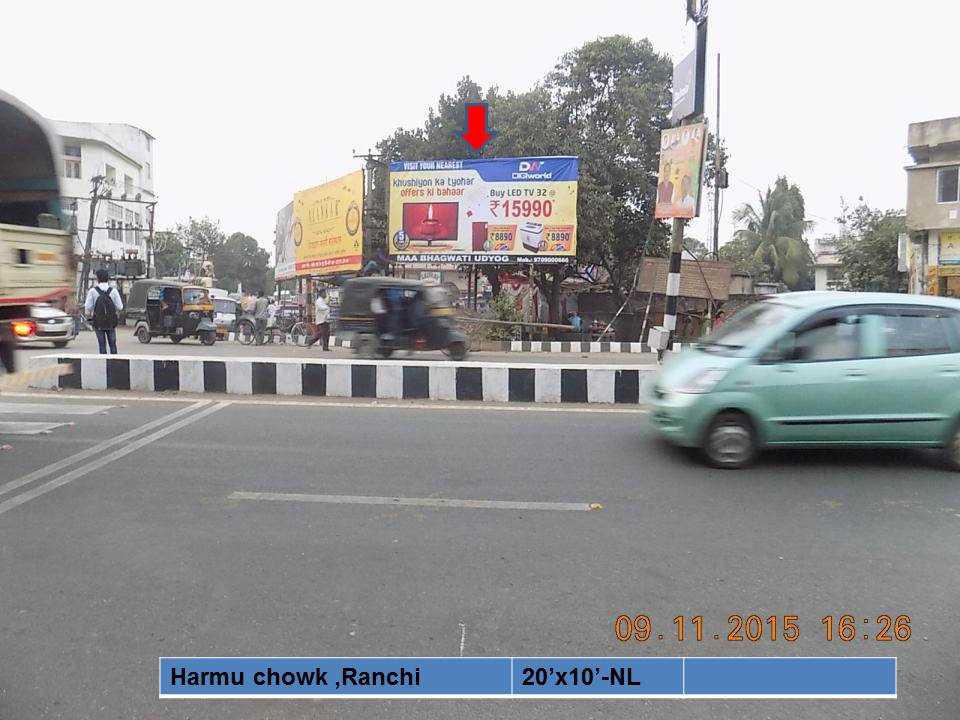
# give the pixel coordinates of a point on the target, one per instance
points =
(103, 306)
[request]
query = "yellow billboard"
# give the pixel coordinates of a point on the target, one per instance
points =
(328, 226)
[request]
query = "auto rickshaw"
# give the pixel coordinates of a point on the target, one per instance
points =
(167, 308)
(380, 315)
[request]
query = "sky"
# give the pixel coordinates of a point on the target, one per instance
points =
(250, 102)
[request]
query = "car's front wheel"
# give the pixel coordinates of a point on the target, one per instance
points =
(730, 441)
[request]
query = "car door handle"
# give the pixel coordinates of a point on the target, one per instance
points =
(855, 373)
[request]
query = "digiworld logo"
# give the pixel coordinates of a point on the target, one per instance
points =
(531, 170)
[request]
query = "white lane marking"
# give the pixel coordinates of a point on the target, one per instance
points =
(463, 637)
(460, 405)
(52, 408)
(79, 472)
(83, 454)
(22, 427)
(412, 501)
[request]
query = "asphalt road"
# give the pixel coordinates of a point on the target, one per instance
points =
(146, 555)
(129, 345)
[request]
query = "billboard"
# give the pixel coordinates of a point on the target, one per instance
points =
(501, 210)
(328, 227)
(285, 265)
(681, 171)
(949, 248)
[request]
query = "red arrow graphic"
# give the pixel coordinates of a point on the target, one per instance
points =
(476, 134)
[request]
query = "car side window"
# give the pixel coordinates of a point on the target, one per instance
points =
(829, 337)
(919, 331)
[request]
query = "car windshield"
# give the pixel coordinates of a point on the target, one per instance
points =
(225, 306)
(191, 296)
(744, 328)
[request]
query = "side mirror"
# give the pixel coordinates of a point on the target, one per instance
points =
(783, 350)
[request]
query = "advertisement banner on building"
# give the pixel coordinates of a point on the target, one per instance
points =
(328, 228)
(681, 171)
(285, 259)
(501, 210)
(949, 248)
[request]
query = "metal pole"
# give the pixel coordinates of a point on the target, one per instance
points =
(716, 175)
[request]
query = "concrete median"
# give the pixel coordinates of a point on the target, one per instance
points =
(348, 378)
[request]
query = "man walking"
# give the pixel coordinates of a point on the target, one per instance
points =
(321, 330)
(103, 306)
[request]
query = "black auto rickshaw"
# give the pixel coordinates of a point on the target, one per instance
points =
(380, 315)
(167, 308)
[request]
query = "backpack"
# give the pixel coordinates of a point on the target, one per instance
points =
(104, 311)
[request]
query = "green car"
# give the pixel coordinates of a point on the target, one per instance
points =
(817, 369)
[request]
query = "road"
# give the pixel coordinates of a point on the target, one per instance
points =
(128, 345)
(137, 550)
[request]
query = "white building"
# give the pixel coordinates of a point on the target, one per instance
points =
(827, 275)
(124, 156)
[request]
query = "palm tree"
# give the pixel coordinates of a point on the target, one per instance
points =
(773, 231)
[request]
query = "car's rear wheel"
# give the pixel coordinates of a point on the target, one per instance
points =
(951, 449)
(730, 441)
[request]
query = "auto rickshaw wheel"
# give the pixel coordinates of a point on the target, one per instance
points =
(456, 351)
(384, 351)
(143, 334)
(208, 337)
(366, 345)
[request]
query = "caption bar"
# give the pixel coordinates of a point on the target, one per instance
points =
(412, 677)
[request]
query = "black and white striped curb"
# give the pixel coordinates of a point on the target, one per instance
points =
(407, 380)
(516, 345)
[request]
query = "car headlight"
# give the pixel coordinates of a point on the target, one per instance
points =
(702, 382)
(194, 315)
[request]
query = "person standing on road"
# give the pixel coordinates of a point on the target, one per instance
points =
(261, 311)
(103, 306)
(321, 330)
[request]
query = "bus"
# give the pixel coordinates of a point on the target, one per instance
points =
(36, 255)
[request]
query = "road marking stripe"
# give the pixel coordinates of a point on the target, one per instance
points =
(23, 427)
(79, 472)
(84, 454)
(51, 408)
(461, 405)
(412, 501)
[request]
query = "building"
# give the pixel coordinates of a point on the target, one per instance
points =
(827, 274)
(933, 206)
(124, 156)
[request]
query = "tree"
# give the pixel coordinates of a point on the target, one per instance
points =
(868, 255)
(199, 238)
(170, 257)
(773, 231)
(613, 99)
(605, 102)
(240, 260)
(696, 248)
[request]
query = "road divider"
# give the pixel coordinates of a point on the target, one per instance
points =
(350, 378)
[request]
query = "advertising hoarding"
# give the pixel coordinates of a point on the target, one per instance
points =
(484, 211)
(949, 248)
(285, 259)
(681, 171)
(328, 227)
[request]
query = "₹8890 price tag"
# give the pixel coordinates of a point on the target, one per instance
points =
(558, 238)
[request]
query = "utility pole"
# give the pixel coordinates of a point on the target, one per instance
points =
(97, 181)
(676, 236)
(719, 174)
